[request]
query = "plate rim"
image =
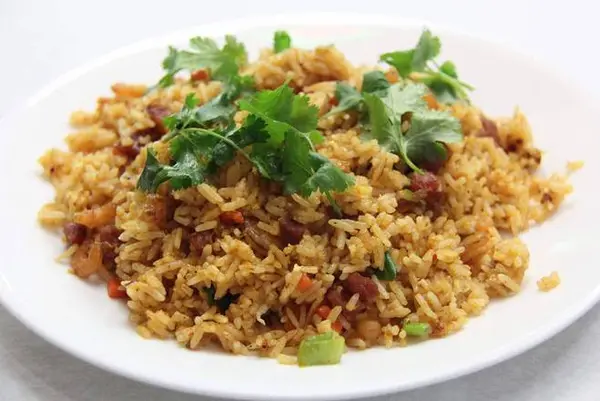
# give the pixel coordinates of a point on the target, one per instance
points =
(495, 356)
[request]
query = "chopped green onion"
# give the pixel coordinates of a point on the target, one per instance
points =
(321, 349)
(223, 302)
(389, 268)
(417, 329)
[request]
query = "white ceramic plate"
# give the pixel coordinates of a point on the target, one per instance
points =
(79, 318)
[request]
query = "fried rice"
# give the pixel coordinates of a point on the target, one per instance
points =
(167, 248)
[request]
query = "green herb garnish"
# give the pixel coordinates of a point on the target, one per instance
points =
(419, 64)
(281, 132)
(197, 151)
(224, 63)
(426, 129)
(289, 155)
(389, 268)
(281, 41)
(349, 98)
(222, 303)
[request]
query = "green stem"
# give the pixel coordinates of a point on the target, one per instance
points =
(334, 205)
(409, 162)
(224, 139)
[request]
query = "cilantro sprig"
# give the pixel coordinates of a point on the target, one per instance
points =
(278, 136)
(420, 140)
(195, 151)
(224, 63)
(349, 98)
(281, 41)
(289, 156)
(419, 64)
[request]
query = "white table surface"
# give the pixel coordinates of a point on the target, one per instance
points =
(41, 39)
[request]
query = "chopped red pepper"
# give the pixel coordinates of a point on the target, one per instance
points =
(115, 290)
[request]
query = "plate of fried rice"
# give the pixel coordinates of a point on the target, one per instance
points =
(264, 208)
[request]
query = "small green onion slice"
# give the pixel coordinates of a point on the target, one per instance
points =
(389, 268)
(321, 349)
(417, 329)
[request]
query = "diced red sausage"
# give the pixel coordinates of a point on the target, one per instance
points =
(109, 242)
(157, 113)
(231, 218)
(427, 186)
(75, 233)
(291, 231)
(199, 240)
(339, 297)
(489, 129)
(109, 234)
(364, 286)
(130, 152)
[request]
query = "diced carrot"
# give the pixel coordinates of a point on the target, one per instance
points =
(304, 284)
(231, 218)
(392, 75)
(337, 326)
(431, 101)
(323, 311)
(199, 75)
(333, 101)
(115, 290)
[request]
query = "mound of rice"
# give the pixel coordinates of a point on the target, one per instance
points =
(452, 259)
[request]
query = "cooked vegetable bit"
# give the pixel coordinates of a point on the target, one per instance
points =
(222, 303)
(321, 349)
(389, 268)
(114, 289)
(417, 329)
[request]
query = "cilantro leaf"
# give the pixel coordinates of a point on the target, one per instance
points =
(326, 177)
(146, 182)
(252, 132)
(289, 155)
(380, 125)
(219, 109)
(282, 109)
(427, 127)
(449, 69)
(295, 162)
(402, 99)
(374, 81)
(223, 63)
(349, 98)
(427, 49)
(187, 171)
(419, 64)
(267, 159)
(307, 171)
(400, 60)
(281, 41)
